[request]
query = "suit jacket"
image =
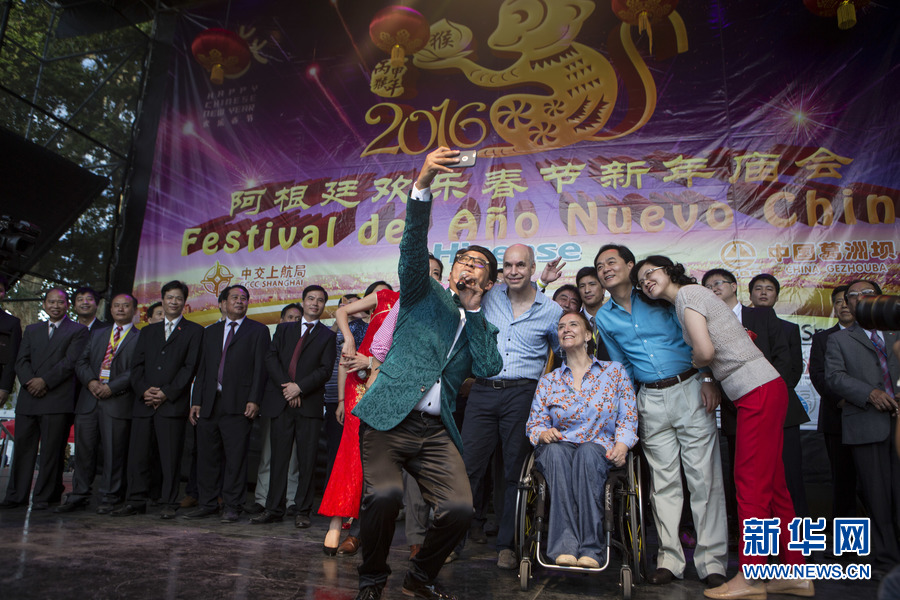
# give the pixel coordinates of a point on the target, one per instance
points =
(244, 376)
(771, 341)
(169, 365)
(314, 368)
(10, 340)
(829, 411)
(796, 414)
(53, 360)
(120, 404)
(97, 324)
(426, 327)
(852, 371)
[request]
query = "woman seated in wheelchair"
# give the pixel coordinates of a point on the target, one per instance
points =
(583, 421)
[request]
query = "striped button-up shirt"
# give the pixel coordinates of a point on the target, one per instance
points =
(523, 343)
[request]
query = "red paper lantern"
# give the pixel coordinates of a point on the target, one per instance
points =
(644, 13)
(845, 10)
(399, 30)
(221, 52)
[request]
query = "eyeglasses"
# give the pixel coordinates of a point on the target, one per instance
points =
(641, 282)
(717, 283)
(471, 261)
(859, 293)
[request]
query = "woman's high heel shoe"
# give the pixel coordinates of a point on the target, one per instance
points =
(329, 551)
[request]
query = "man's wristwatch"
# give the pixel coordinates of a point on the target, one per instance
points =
(707, 379)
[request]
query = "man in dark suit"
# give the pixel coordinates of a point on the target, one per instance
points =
(407, 415)
(769, 337)
(10, 340)
(165, 360)
(46, 369)
(299, 362)
(861, 368)
(226, 398)
(843, 471)
(85, 303)
(104, 407)
(764, 290)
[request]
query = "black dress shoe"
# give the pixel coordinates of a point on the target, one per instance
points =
(201, 513)
(302, 522)
(230, 515)
(105, 508)
(129, 510)
(254, 509)
(370, 592)
(420, 589)
(8, 504)
(714, 580)
(40, 505)
(265, 517)
(168, 513)
(70, 507)
(661, 577)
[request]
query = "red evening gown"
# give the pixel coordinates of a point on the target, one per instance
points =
(344, 490)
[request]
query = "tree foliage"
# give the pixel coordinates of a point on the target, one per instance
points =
(91, 85)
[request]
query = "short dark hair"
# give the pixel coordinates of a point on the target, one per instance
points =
(728, 275)
(869, 281)
(375, 284)
(492, 260)
(223, 295)
(134, 302)
(174, 285)
(626, 254)
(841, 289)
(568, 288)
(676, 271)
(87, 290)
(236, 286)
(151, 308)
(313, 288)
(586, 272)
(289, 307)
(354, 296)
(57, 289)
(436, 259)
(765, 277)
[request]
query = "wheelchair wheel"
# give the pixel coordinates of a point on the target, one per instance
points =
(524, 574)
(636, 546)
(626, 582)
(525, 495)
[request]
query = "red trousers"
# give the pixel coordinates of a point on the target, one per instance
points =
(758, 467)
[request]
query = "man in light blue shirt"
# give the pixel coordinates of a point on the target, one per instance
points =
(498, 407)
(676, 410)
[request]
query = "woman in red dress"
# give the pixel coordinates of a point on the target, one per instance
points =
(344, 489)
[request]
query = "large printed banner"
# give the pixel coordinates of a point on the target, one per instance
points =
(753, 135)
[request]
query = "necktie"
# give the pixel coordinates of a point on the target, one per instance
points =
(228, 339)
(881, 351)
(169, 327)
(110, 353)
(52, 329)
(292, 368)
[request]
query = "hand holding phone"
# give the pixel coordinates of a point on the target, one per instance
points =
(466, 158)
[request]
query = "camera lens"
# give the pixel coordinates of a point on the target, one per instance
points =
(879, 312)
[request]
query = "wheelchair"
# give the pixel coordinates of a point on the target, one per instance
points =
(623, 524)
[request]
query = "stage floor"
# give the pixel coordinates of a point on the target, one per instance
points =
(46, 555)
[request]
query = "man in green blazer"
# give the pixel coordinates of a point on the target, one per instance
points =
(407, 415)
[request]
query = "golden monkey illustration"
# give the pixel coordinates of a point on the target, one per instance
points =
(580, 83)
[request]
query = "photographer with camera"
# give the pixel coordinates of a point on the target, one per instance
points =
(863, 368)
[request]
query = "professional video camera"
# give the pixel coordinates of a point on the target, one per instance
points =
(879, 312)
(17, 238)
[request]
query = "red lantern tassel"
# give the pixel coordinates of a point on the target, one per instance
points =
(217, 75)
(846, 14)
(397, 56)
